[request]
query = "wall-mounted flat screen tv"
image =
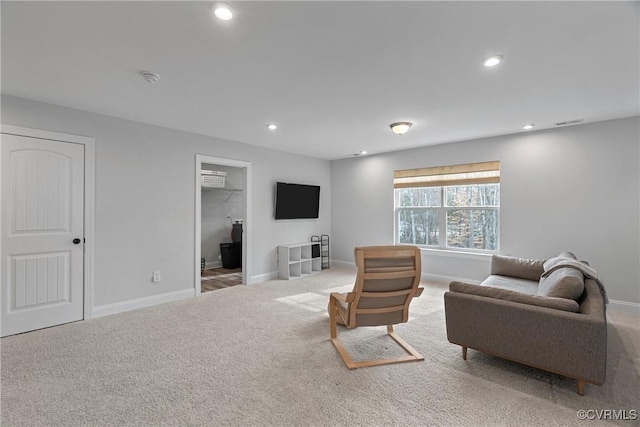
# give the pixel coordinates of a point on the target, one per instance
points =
(297, 201)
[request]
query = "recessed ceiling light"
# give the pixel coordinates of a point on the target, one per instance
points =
(400, 128)
(272, 126)
(492, 61)
(363, 152)
(222, 11)
(529, 126)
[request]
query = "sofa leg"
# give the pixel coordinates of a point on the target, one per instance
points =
(464, 353)
(581, 387)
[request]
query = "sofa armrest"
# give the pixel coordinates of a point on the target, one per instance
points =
(522, 268)
(507, 295)
(570, 344)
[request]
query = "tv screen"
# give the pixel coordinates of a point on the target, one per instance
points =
(297, 201)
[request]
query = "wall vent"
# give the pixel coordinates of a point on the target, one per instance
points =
(569, 122)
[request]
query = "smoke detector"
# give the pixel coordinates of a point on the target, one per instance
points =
(150, 77)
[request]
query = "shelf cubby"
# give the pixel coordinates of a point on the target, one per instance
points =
(297, 260)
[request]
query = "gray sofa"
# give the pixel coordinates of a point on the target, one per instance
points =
(548, 314)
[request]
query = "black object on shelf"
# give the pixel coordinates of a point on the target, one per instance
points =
(315, 251)
(231, 255)
(321, 250)
(236, 232)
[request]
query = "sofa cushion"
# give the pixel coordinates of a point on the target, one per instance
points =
(528, 287)
(507, 295)
(564, 282)
(530, 269)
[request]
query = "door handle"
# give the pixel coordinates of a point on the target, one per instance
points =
(76, 241)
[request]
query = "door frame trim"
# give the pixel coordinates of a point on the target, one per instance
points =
(246, 228)
(89, 199)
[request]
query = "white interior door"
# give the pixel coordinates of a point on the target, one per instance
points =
(42, 240)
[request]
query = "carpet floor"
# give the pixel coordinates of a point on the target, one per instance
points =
(260, 355)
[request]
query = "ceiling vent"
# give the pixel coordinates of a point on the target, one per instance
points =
(570, 122)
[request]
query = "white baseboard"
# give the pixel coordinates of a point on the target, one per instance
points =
(259, 278)
(424, 276)
(627, 307)
(213, 264)
(616, 305)
(438, 278)
(120, 307)
(263, 277)
(347, 264)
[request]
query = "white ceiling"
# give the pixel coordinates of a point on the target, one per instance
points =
(332, 75)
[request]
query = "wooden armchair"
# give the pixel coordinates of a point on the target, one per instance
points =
(387, 281)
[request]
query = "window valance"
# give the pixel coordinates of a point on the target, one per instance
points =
(438, 176)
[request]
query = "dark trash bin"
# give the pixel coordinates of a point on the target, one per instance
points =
(231, 255)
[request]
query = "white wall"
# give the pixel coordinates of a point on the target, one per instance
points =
(217, 205)
(573, 188)
(145, 197)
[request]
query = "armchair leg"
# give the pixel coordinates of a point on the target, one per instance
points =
(581, 387)
(413, 354)
(464, 353)
(332, 319)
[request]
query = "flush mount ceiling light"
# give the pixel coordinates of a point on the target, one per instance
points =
(528, 127)
(222, 11)
(272, 126)
(400, 128)
(149, 77)
(492, 61)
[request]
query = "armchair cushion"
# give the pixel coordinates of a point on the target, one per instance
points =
(522, 268)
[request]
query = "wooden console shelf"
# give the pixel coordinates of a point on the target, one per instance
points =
(298, 260)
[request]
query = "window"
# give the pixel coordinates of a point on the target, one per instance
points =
(449, 207)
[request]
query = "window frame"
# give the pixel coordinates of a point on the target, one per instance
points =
(443, 210)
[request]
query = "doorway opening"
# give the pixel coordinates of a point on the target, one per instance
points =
(222, 222)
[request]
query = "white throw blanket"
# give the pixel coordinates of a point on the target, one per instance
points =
(553, 264)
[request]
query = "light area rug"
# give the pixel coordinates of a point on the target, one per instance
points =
(260, 355)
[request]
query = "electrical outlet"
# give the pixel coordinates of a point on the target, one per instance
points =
(156, 277)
